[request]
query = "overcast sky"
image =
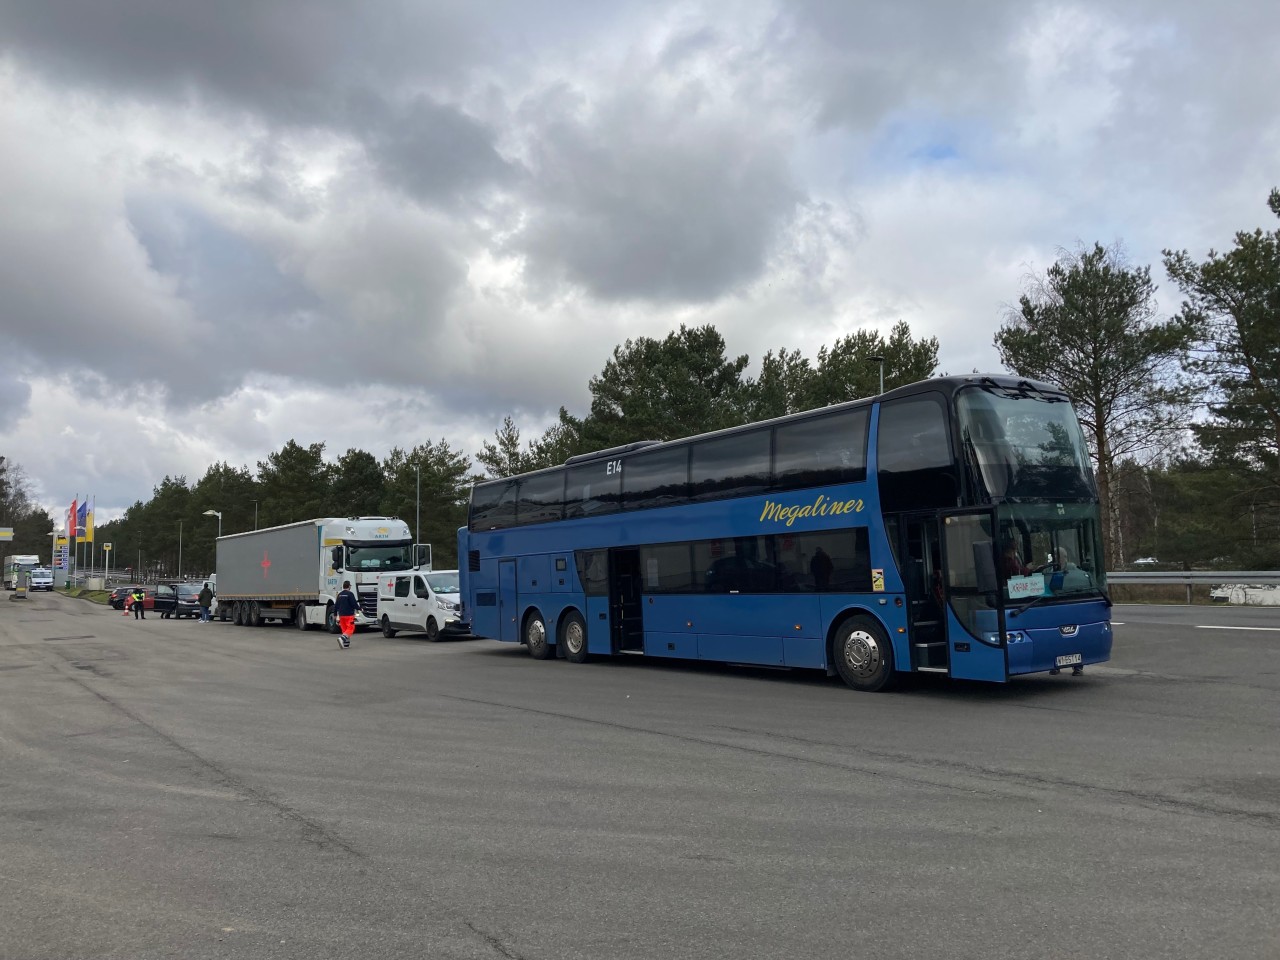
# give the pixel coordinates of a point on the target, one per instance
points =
(377, 224)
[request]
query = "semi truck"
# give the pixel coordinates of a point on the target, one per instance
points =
(16, 568)
(294, 572)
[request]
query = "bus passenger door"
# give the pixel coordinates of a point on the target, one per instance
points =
(975, 632)
(626, 613)
(921, 552)
(508, 602)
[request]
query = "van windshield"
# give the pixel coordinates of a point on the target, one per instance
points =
(443, 582)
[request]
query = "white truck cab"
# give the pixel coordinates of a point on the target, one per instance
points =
(420, 601)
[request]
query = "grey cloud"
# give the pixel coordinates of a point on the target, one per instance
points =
(654, 201)
(15, 393)
(285, 58)
(430, 150)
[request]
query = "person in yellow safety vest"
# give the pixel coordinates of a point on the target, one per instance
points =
(139, 604)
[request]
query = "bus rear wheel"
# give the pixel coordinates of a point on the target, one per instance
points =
(535, 637)
(863, 656)
(573, 634)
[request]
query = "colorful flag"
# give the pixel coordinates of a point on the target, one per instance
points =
(71, 521)
(88, 522)
(81, 517)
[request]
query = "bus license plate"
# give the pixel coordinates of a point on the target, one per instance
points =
(1069, 659)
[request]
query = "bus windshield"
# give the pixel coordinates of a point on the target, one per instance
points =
(384, 556)
(1049, 550)
(1024, 444)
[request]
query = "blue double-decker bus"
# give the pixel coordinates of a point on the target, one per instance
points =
(950, 526)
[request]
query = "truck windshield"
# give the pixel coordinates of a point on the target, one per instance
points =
(382, 557)
(1022, 442)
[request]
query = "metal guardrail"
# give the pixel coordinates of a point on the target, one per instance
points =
(1211, 577)
(1192, 578)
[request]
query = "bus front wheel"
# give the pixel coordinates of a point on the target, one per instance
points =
(535, 637)
(574, 636)
(863, 656)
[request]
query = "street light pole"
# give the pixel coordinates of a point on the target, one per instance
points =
(417, 504)
(179, 549)
(218, 514)
(255, 514)
(879, 360)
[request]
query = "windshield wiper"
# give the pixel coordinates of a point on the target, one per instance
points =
(1029, 604)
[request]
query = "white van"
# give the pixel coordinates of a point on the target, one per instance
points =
(41, 579)
(420, 602)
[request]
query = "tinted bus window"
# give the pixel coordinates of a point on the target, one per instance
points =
(593, 572)
(732, 466)
(592, 488)
(914, 453)
(740, 565)
(835, 561)
(656, 479)
(823, 450)
(493, 505)
(667, 568)
(541, 497)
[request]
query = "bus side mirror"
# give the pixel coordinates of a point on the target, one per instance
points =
(337, 558)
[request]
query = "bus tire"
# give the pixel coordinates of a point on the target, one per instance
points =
(433, 629)
(300, 617)
(535, 637)
(573, 637)
(863, 656)
(386, 627)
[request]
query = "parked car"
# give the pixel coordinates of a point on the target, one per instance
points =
(119, 598)
(177, 600)
(1145, 562)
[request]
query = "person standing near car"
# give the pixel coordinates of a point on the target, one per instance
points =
(205, 600)
(139, 601)
(345, 608)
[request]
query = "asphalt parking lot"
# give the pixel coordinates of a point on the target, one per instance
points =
(173, 789)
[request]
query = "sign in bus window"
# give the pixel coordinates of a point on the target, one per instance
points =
(1024, 588)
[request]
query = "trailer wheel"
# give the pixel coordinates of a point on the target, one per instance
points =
(237, 613)
(300, 617)
(330, 619)
(535, 637)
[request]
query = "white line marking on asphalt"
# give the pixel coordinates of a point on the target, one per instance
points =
(1209, 626)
